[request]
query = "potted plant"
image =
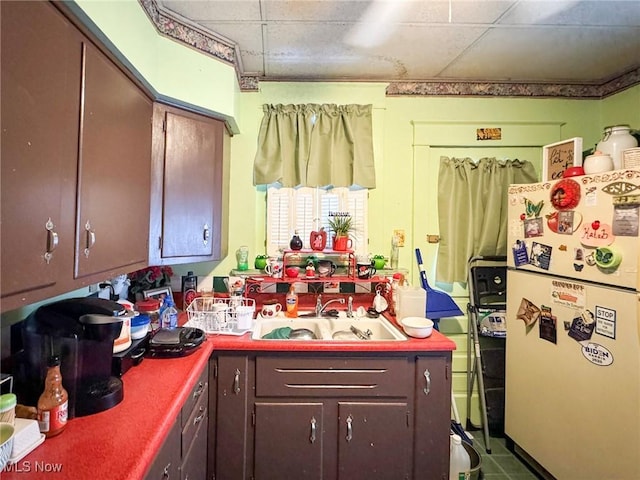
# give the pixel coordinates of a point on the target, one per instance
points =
(341, 226)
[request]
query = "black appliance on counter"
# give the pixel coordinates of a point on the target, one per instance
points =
(81, 331)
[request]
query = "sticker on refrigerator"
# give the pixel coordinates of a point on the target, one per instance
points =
(568, 294)
(597, 354)
(606, 322)
(548, 330)
(540, 255)
(581, 328)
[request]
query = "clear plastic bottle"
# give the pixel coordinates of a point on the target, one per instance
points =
(460, 462)
(291, 301)
(397, 281)
(169, 314)
(53, 404)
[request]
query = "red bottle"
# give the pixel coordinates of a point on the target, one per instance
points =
(54, 402)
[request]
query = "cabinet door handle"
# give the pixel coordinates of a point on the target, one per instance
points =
(198, 391)
(52, 240)
(427, 378)
(312, 438)
(236, 382)
(199, 418)
(349, 436)
(206, 234)
(91, 238)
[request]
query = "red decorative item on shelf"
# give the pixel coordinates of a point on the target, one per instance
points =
(342, 244)
(318, 240)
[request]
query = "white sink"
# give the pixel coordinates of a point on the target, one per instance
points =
(326, 328)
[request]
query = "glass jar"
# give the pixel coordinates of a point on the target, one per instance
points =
(615, 140)
(151, 308)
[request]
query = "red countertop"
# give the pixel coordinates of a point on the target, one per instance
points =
(121, 443)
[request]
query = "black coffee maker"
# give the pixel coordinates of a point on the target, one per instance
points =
(81, 331)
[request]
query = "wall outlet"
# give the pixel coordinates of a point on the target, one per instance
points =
(93, 288)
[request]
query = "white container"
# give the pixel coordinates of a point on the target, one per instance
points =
(616, 139)
(597, 163)
(412, 302)
(459, 460)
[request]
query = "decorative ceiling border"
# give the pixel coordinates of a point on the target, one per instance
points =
(497, 89)
(173, 26)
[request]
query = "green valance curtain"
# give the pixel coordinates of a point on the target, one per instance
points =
(472, 210)
(315, 145)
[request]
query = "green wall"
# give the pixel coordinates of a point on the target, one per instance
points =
(172, 69)
(182, 73)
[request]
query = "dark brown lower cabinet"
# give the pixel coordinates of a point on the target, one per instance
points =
(289, 440)
(309, 416)
(167, 462)
(184, 452)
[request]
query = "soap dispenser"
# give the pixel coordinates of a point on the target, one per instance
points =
(291, 301)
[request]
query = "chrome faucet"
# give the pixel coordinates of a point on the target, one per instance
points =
(321, 308)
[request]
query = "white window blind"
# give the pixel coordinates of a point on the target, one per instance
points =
(307, 209)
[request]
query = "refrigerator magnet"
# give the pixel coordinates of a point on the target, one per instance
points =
(597, 354)
(596, 234)
(565, 194)
(547, 323)
(625, 219)
(520, 255)
(582, 327)
(605, 322)
(540, 255)
(533, 227)
(528, 312)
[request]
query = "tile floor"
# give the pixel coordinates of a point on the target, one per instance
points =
(502, 464)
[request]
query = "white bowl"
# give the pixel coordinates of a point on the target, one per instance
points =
(418, 327)
(6, 442)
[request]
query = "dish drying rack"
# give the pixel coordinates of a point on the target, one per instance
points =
(202, 314)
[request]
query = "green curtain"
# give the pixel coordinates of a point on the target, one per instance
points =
(472, 210)
(315, 145)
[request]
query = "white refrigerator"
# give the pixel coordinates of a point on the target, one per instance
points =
(572, 386)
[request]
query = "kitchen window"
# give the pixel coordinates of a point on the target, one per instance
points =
(307, 209)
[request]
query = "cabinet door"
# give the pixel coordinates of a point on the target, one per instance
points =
(194, 463)
(231, 419)
(167, 462)
(433, 416)
(114, 170)
(187, 218)
(374, 440)
(288, 441)
(41, 59)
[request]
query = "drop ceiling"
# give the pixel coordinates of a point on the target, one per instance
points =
(591, 47)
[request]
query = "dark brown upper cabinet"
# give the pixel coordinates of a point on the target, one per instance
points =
(188, 219)
(114, 170)
(41, 71)
(76, 159)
